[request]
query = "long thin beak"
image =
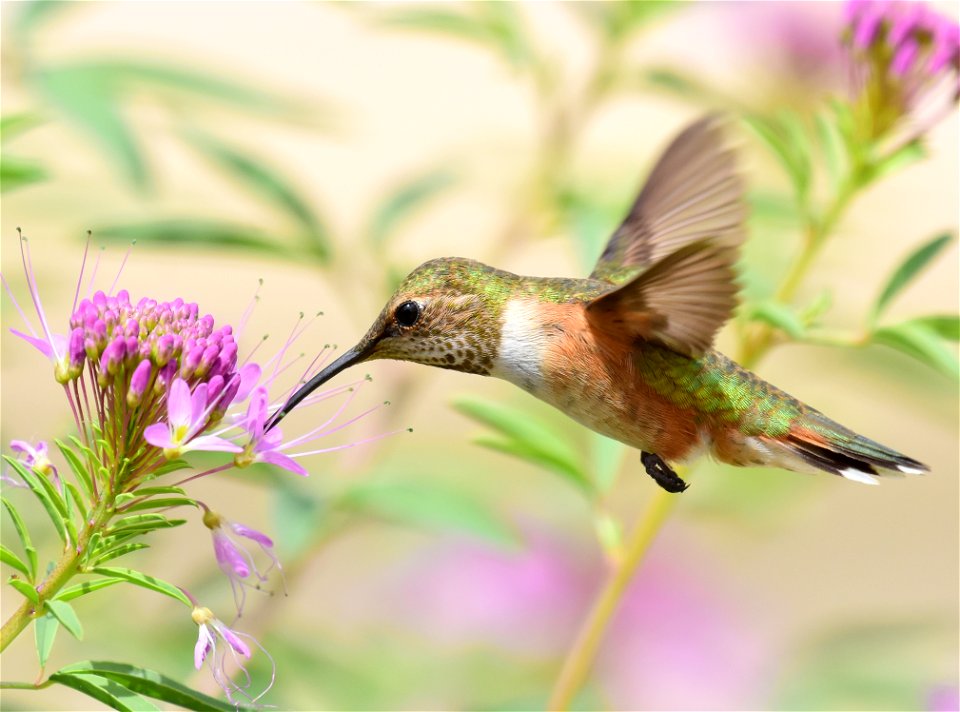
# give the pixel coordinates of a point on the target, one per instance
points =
(346, 360)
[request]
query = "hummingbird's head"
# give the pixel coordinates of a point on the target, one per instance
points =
(445, 313)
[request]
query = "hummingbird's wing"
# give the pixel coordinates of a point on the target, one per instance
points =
(680, 301)
(693, 193)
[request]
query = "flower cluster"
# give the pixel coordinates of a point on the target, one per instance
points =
(906, 60)
(148, 381)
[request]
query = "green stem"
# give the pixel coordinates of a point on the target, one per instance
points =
(64, 570)
(580, 657)
(25, 685)
(584, 650)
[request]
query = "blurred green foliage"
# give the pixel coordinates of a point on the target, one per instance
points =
(826, 169)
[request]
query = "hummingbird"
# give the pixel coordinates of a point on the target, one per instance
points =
(627, 352)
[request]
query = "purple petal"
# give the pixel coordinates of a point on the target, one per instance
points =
(158, 435)
(203, 646)
(905, 22)
(210, 443)
(249, 375)
(178, 403)
(198, 405)
(229, 556)
(281, 460)
(41, 345)
(235, 642)
(259, 537)
(25, 448)
(867, 26)
(904, 57)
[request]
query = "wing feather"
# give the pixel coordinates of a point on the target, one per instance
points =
(693, 193)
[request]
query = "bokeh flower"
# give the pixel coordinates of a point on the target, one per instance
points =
(905, 60)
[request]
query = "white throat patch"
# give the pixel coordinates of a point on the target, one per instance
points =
(522, 344)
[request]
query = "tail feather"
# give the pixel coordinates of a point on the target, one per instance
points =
(825, 445)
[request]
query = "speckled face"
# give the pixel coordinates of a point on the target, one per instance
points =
(449, 313)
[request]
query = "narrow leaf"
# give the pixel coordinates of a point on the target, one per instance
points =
(118, 551)
(24, 535)
(75, 499)
(908, 270)
(920, 342)
(12, 560)
(45, 633)
(79, 470)
(160, 503)
(777, 315)
(795, 165)
(104, 690)
(149, 683)
(82, 589)
(199, 232)
(429, 506)
(896, 161)
(944, 325)
(405, 201)
(144, 581)
(19, 172)
(269, 184)
(35, 482)
(832, 148)
(87, 96)
(606, 456)
(12, 125)
(526, 438)
(64, 613)
(25, 588)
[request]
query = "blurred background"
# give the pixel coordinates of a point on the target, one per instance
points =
(329, 149)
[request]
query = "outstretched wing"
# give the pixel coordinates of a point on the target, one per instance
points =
(693, 193)
(681, 301)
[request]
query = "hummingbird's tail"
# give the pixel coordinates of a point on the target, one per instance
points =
(820, 443)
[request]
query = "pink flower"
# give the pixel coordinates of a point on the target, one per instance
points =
(187, 415)
(215, 641)
(37, 459)
(236, 561)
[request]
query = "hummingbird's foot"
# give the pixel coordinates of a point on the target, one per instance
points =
(661, 473)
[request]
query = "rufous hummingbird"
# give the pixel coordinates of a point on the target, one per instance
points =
(627, 351)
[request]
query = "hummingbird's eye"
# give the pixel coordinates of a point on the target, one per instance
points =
(407, 313)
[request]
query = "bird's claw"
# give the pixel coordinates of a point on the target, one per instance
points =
(661, 473)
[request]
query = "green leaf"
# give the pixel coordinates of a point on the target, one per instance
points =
(944, 325)
(18, 172)
(269, 184)
(54, 506)
(428, 505)
(82, 589)
(44, 633)
(12, 560)
(31, 16)
(527, 439)
(781, 138)
(406, 200)
(896, 161)
(170, 489)
(908, 270)
(79, 470)
(195, 232)
(142, 523)
(74, 497)
(117, 551)
(778, 315)
(64, 613)
(12, 125)
(144, 581)
(149, 683)
(105, 690)
(24, 535)
(27, 589)
(920, 342)
(832, 147)
(87, 96)
(160, 503)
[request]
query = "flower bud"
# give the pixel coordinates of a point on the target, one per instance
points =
(139, 382)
